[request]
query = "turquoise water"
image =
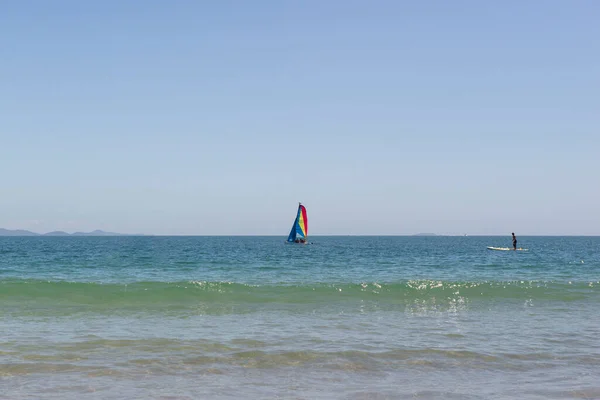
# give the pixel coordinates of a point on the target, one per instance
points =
(345, 317)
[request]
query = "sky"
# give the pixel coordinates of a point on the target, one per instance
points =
(382, 117)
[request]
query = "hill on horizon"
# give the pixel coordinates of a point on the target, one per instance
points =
(22, 232)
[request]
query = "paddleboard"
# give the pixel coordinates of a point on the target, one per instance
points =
(504, 248)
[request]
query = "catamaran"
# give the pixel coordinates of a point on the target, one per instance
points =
(299, 232)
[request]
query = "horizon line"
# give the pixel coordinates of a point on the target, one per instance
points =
(36, 234)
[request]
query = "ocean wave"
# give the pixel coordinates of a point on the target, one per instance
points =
(174, 356)
(189, 293)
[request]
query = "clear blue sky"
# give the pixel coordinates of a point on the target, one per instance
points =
(382, 117)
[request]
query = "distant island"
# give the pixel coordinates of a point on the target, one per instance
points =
(97, 232)
(425, 234)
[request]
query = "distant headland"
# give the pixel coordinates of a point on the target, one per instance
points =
(21, 232)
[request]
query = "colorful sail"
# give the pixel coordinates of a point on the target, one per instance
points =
(299, 230)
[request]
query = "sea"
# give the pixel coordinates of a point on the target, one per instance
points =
(405, 317)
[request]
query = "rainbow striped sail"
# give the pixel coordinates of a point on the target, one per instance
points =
(299, 231)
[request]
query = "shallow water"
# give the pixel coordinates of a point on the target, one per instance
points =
(345, 317)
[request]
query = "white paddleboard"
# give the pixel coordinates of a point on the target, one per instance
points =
(505, 248)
